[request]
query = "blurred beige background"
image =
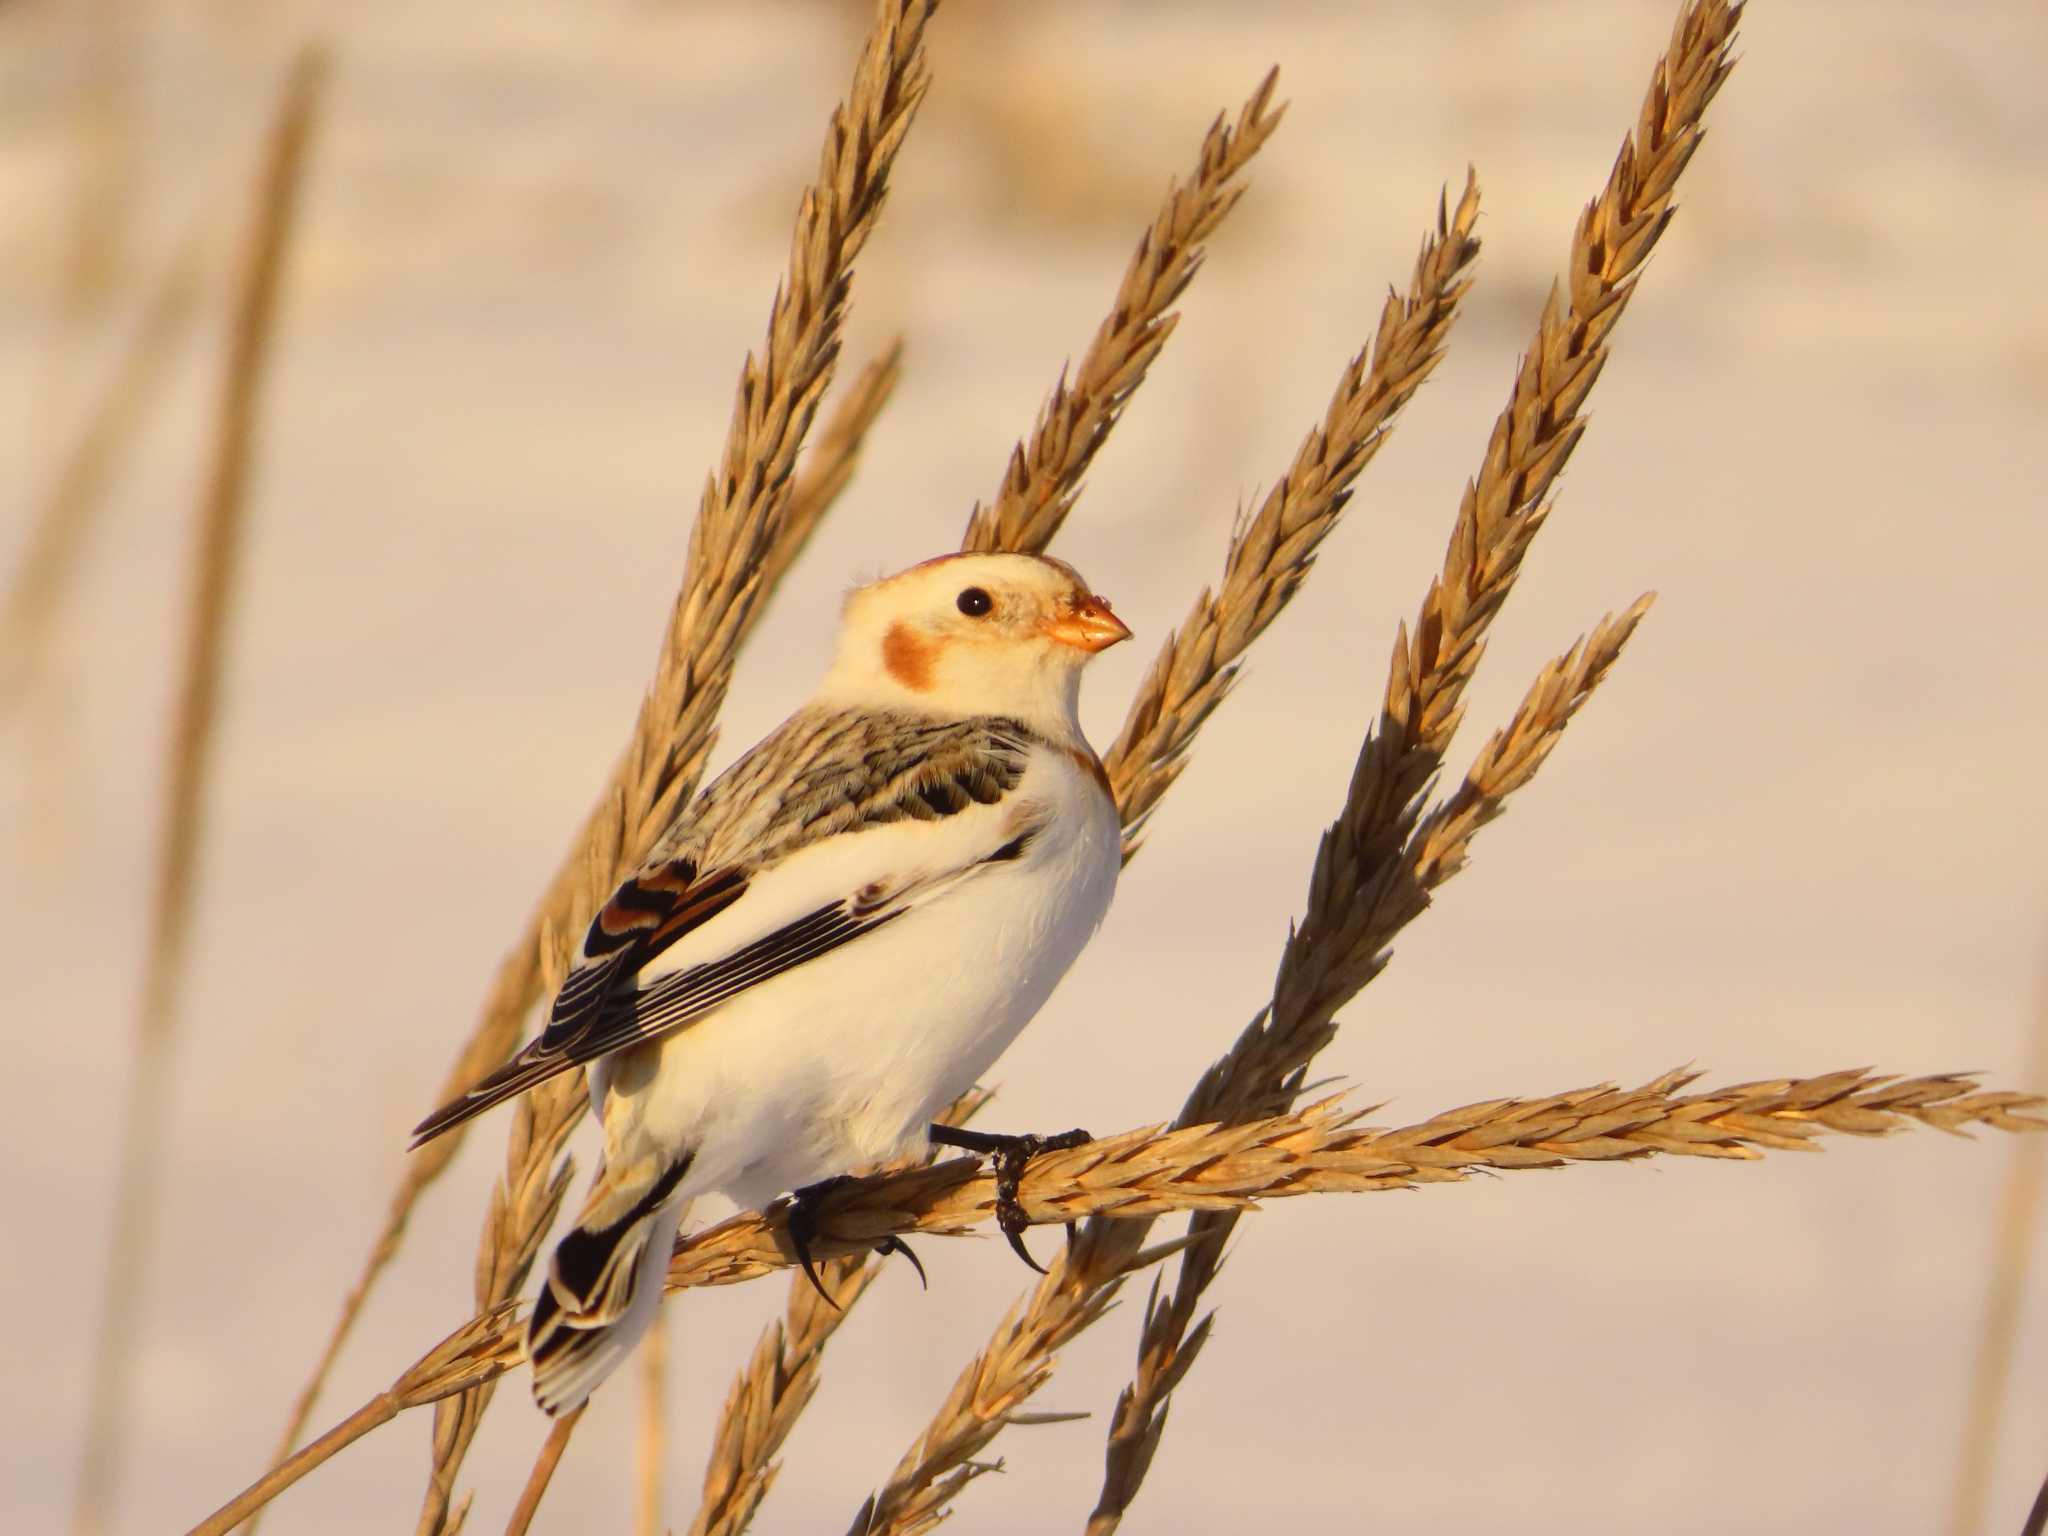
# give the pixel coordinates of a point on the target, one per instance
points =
(1799, 829)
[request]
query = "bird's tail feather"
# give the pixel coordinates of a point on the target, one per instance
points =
(603, 1289)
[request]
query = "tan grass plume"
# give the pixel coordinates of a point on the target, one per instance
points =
(216, 553)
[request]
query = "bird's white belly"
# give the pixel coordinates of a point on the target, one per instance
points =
(844, 1060)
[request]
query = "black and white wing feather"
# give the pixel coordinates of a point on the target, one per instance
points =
(768, 870)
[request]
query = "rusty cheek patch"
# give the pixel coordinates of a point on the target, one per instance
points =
(907, 658)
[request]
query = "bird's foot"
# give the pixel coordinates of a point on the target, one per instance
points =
(1009, 1154)
(803, 1226)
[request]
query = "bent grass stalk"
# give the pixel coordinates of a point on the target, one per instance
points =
(1319, 1149)
(1043, 478)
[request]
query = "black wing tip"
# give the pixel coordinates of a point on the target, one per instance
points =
(446, 1118)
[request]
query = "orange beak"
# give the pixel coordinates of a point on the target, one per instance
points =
(1088, 626)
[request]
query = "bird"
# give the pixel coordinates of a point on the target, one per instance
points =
(834, 940)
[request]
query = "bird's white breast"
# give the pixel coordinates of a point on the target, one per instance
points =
(844, 1060)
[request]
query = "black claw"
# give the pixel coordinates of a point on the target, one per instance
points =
(803, 1226)
(1017, 1247)
(894, 1244)
(1010, 1154)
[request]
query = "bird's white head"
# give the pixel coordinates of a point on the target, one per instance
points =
(974, 634)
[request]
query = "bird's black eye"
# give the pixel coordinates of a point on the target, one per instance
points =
(975, 603)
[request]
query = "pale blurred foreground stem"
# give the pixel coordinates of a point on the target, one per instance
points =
(209, 604)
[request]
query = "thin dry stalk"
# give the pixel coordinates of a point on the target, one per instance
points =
(1044, 476)
(1321, 1148)
(79, 493)
(543, 1472)
(1170, 1337)
(1271, 552)
(827, 469)
(1367, 881)
(2004, 1301)
(651, 1434)
(216, 552)
(742, 520)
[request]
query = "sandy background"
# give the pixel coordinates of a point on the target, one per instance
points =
(1799, 830)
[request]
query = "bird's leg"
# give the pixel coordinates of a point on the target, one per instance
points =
(803, 1226)
(1009, 1154)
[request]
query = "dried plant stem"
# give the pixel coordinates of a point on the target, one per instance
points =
(1044, 475)
(1321, 1148)
(379, 1410)
(50, 563)
(216, 553)
(651, 1435)
(742, 522)
(2005, 1294)
(1170, 1338)
(1272, 550)
(543, 1472)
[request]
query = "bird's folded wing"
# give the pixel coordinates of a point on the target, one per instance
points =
(673, 943)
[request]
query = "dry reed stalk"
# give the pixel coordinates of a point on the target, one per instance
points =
(1154, 1170)
(2005, 1295)
(1271, 552)
(543, 1471)
(650, 1438)
(742, 521)
(1369, 871)
(216, 555)
(1169, 1337)
(49, 566)
(1043, 478)
(826, 471)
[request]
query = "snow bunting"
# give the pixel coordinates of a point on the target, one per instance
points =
(836, 939)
